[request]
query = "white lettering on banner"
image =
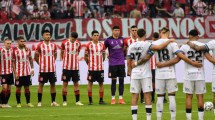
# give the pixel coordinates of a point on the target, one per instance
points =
(93, 24)
(78, 23)
(175, 27)
(210, 26)
(145, 24)
(158, 24)
(106, 25)
(198, 24)
(126, 25)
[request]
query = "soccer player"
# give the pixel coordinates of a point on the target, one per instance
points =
(23, 68)
(45, 56)
(7, 78)
(94, 57)
(141, 77)
(70, 49)
(208, 46)
(165, 77)
(116, 63)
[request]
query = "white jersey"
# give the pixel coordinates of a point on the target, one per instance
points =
(137, 51)
(165, 55)
(193, 73)
(211, 46)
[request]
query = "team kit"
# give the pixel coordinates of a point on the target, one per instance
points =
(150, 65)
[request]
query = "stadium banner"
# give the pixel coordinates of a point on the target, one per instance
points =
(61, 29)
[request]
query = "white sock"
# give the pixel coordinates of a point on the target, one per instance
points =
(113, 97)
(214, 111)
(172, 107)
(148, 112)
(201, 115)
(120, 97)
(159, 107)
(134, 112)
(189, 116)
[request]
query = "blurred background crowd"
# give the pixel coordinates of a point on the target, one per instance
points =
(66, 9)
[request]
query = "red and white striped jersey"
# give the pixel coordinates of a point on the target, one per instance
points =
(129, 41)
(6, 61)
(46, 56)
(70, 56)
(153, 62)
(108, 2)
(95, 56)
(21, 58)
(79, 7)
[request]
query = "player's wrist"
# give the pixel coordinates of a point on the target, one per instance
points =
(135, 63)
(32, 69)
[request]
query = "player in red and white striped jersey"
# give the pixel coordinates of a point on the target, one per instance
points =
(45, 56)
(79, 6)
(6, 73)
(23, 70)
(133, 38)
(70, 49)
(94, 57)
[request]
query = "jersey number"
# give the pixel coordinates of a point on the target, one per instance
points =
(163, 55)
(135, 55)
(195, 55)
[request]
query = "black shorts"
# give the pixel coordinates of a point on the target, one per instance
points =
(153, 75)
(68, 74)
(44, 77)
(7, 79)
(116, 71)
(94, 76)
(23, 81)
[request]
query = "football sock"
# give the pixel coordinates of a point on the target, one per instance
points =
(148, 112)
(53, 96)
(134, 112)
(27, 95)
(90, 96)
(64, 95)
(113, 87)
(77, 95)
(189, 114)
(101, 94)
(18, 95)
(39, 95)
(3, 96)
(201, 113)
(121, 86)
(8, 96)
(172, 106)
(159, 107)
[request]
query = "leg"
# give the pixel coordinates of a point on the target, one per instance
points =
(76, 91)
(141, 97)
(8, 93)
(4, 93)
(113, 87)
(148, 106)
(90, 85)
(101, 92)
(159, 106)
(53, 91)
(214, 101)
(64, 91)
(121, 87)
(134, 106)
(189, 98)
(172, 105)
(40, 92)
(200, 98)
(18, 94)
(153, 85)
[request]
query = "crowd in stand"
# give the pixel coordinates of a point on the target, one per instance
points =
(65, 9)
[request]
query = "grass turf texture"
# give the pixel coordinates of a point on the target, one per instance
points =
(93, 112)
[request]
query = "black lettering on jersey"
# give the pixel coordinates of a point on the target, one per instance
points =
(197, 55)
(163, 55)
(135, 56)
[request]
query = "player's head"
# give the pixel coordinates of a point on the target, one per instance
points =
(7, 43)
(116, 31)
(21, 41)
(164, 32)
(95, 35)
(46, 35)
(141, 33)
(133, 31)
(193, 34)
(155, 36)
(74, 36)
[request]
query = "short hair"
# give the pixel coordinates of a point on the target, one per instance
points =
(115, 27)
(74, 35)
(165, 30)
(7, 39)
(133, 26)
(45, 31)
(156, 35)
(20, 38)
(93, 32)
(194, 32)
(141, 33)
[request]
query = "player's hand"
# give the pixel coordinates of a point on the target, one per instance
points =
(16, 76)
(197, 64)
(172, 40)
(159, 64)
(32, 72)
(133, 65)
(129, 72)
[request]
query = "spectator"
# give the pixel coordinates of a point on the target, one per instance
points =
(119, 7)
(79, 7)
(35, 14)
(3, 13)
(107, 15)
(199, 8)
(45, 14)
(152, 8)
(30, 7)
(57, 12)
(209, 11)
(108, 6)
(182, 3)
(130, 5)
(94, 4)
(160, 11)
(167, 4)
(135, 13)
(69, 13)
(178, 12)
(8, 4)
(96, 13)
(143, 7)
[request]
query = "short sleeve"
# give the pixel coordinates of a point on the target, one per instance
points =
(149, 51)
(55, 48)
(87, 48)
(210, 45)
(38, 49)
(175, 48)
(106, 43)
(79, 46)
(63, 45)
(129, 52)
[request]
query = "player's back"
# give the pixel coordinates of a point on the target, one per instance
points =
(191, 72)
(137, 51)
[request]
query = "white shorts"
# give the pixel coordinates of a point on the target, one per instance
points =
(194, 87)
(213, 83)
(161, 85)
(137, 84)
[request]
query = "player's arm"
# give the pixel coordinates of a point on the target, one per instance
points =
(55, 52)
(162, 46)
(62, 50)
(209, 58)
(196, 47)
(86, 58)
(31, 64)
(189, 61)
(141, 61)
(171, 62)
(36, 57)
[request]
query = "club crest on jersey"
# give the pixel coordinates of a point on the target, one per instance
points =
(89, 78)
(121, 41)
(3, 80)
(64, 77)
(41, 79)
(109, 74)
(17, 82)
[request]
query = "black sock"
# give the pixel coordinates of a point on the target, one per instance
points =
(90, 99)
(27, 96)
(201, 109)
(39, 95)
(0, 99)
(133, 112)
(153, 95)
(7, 97)
(64, 98)
(148, 110)
(77, 97)
(3, 97)
(53, 95)
(121, 86)
(188, 110)
(18, 95)
(101, 99)
(113, 87)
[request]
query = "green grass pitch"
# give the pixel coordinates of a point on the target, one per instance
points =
(94, 112)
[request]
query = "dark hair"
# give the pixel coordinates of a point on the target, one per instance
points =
(45, 31)
(156, 35)
(74, 35)
(194, 32)
(93, 32)
(7, 39)
(115, 27)
(20, 37)
(165, 30)
(133, 26)
(141, 32)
